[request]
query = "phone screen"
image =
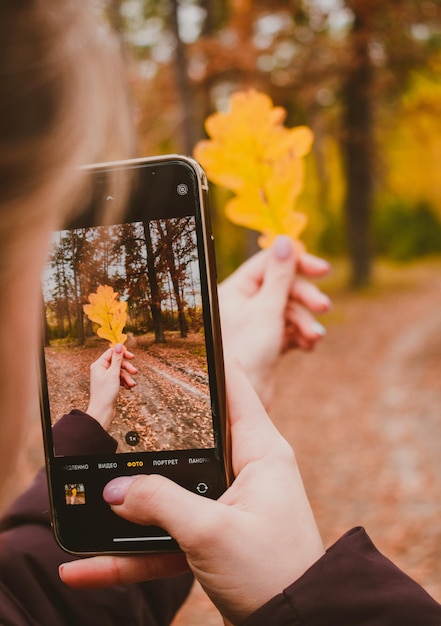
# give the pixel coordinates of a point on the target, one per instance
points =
(148, 283)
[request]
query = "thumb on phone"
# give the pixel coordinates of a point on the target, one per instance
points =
(154, 499)
(147, 500)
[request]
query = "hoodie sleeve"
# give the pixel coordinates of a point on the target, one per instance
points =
(74, 433)
(353, 584)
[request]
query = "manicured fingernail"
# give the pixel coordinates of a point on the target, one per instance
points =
(283, 247)
(115, 491)
(319, 329)
(118, 348)
(327, 302)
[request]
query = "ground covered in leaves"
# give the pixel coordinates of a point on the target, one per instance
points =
(363, 413)
(169, 407)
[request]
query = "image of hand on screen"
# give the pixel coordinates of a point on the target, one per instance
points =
(111, 370)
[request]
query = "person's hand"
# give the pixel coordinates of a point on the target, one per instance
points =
(107, 373)
(267, 307)
(257, 539)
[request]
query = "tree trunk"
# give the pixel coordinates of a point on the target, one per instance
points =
(189, 129)
(46, 329)
(166, 240)
(77, 291)
(155, 305)
(358, 152)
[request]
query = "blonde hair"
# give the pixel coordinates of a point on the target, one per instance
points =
(63, 103)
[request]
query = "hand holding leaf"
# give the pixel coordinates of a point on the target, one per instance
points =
(110, 313)
(254, 155)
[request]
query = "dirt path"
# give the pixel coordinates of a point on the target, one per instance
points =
(168, 409)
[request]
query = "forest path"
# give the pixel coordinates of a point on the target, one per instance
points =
(169, 407)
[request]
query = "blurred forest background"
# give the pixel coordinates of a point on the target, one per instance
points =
(363, 74)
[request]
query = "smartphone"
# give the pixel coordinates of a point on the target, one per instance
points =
(150, 279)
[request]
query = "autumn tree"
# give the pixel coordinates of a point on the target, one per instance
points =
(131, 278)
(80, 260)
(177, 245)
(155, 292)
(62, 286)
(357, 140)
(349, 57)
(382, 47)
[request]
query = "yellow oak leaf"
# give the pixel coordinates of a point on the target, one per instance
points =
(109, 313)
(251, 153)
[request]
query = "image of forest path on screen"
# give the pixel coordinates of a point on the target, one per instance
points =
(136, 284)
